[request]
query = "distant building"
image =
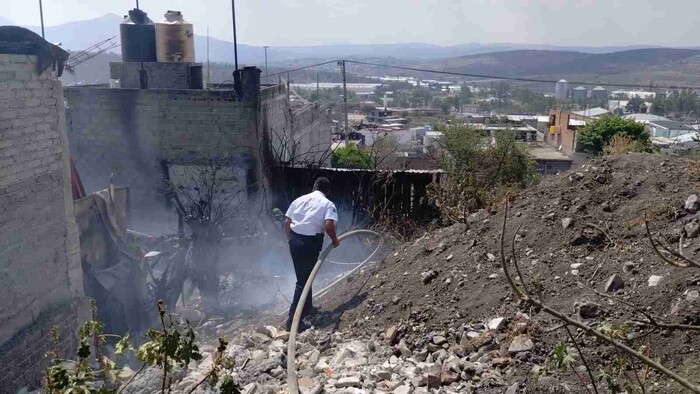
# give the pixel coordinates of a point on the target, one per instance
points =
(592, 112)
(658, 126)
(579, 93)
(563, 127)
(599, 93)
(561, 90)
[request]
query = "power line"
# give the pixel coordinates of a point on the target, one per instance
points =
(516, 78)
(303, 68)
(484, 76)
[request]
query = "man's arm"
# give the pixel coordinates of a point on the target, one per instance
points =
(288, 228)
(329, 225)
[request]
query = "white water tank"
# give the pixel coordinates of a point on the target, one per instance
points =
(174, 39)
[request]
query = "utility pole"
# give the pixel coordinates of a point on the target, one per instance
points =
(208, 64)
(266, 72)
(318, 91)
(345, 95)
(41, 16)
(235, 40)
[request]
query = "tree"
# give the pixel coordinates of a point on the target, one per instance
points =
(478, 171)
(596, 134)
(207, 199)
(350, 157)
(383, 146)
(634, 104)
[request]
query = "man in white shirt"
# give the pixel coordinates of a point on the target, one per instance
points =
(307, 218)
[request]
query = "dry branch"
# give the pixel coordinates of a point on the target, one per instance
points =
(527, 298)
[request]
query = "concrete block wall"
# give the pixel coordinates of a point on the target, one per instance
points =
(128, 132)
(160, 75)
(40, 272)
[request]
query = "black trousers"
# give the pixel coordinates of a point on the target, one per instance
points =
(304, 250)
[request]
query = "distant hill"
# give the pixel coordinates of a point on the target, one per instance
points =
(662, 66)
(82, 34)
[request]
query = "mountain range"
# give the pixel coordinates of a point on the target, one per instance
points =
(629, 64)
(82, 34)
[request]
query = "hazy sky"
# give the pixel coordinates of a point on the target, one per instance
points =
(309, 22)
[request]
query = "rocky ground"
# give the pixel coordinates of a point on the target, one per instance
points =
(437, 315)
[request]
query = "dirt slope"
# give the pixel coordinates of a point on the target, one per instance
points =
(452, 278)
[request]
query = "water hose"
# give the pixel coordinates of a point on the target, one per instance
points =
(293, 386)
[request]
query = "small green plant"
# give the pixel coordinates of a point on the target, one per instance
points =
(173, 344)
(350, 157)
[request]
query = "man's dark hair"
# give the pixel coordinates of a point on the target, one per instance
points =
(323, 185)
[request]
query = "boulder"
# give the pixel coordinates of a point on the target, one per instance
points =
(654, 280)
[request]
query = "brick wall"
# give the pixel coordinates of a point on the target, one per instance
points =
(128, 132)
(39, 248)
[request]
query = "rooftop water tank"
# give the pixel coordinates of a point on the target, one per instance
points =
(138, 37)
(174, 39)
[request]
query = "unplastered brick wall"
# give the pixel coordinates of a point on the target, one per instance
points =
(40, 273)
(128, 133)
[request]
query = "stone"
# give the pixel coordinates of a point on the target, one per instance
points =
(576, 266)
(575, 272)
(250, 388)
(513, 388)
(521, 343)
(589, 310)
(692, 295)
(490, 256)
(431, 380)
(349, 381)
(306, 383)
(395, 300)
(428, 276)
(403, 389)
(270, 331)
(501, 362)
(654, 280)
(391, 334)
(448, 258)
(692, 203)
(403, 348)
(382, 375)
(439, 340)
(448, 377)
(692, 229)
(566, 223)
(614, 283)
(497, 323)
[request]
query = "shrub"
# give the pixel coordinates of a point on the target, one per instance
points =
(597, 134)
(350, 157)
(621, 144)
(479, 171)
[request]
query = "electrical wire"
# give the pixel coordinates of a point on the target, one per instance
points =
(535, 80)
(302, 68)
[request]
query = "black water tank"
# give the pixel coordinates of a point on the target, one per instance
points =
(138, 36)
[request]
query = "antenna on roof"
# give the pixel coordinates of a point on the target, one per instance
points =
(41, 16)
(137, 4)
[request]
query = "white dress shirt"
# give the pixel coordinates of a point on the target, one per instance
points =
(309, 211)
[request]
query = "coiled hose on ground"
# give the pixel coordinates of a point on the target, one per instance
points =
(293, 387)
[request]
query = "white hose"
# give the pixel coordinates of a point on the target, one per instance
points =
(293, 386)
